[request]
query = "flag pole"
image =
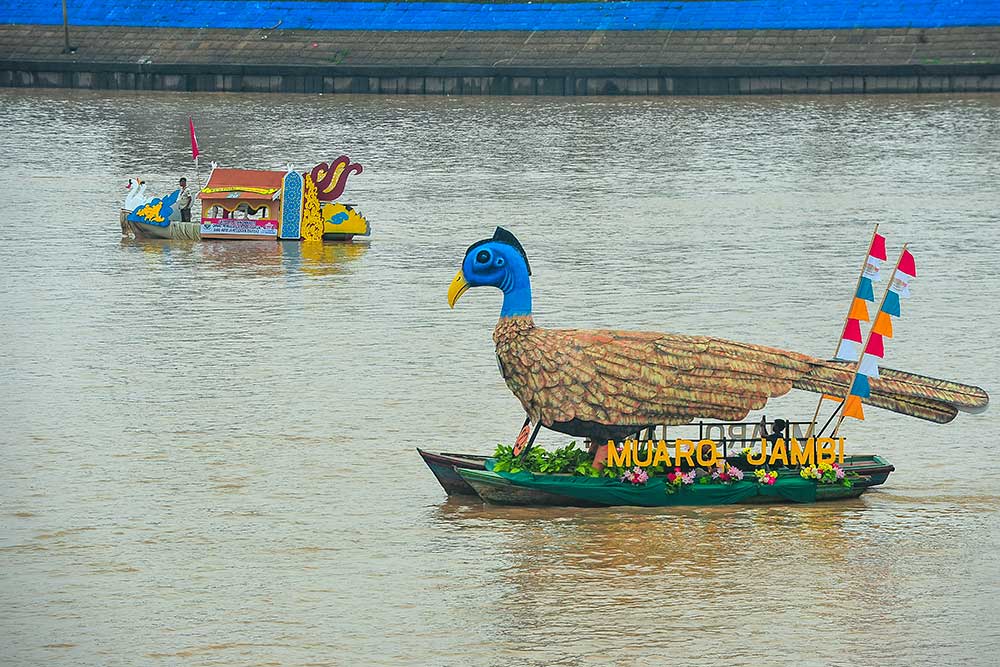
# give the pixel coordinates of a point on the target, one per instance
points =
(854, 295)
(864, 347)
(197, 183)
(195, 152)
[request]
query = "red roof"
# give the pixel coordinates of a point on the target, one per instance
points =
(229, 184)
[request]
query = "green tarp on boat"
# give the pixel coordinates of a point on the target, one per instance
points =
(789, 487)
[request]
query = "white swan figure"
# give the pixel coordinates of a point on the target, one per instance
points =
(136, 196)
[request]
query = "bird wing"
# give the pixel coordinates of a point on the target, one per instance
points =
(641, 378)
(625, 377)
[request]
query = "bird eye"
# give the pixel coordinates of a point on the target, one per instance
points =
(483, 257)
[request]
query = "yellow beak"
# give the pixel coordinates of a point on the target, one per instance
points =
(457, 288)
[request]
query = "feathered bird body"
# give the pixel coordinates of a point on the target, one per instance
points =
(606, 384)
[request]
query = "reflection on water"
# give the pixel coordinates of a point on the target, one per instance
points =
(261, 258)
(209, 447)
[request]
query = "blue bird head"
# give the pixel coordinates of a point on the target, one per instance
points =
(496, 262)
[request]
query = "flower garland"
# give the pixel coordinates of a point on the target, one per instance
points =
(635, 476)
(677, 479)
(765, 476)
(826, 473)
(726, 474)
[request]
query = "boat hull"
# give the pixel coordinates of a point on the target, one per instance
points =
(142, 230)
(189, 231)
(497, 490)
(501, 490)
(872, 469)
(444, 466)
(870, 466)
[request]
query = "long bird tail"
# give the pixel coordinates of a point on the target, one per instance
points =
(906, 393)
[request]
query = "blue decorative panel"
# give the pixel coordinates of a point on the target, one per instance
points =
(291, 206)
(432, 16)
(157, 212)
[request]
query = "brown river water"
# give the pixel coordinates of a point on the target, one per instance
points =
(208, 448)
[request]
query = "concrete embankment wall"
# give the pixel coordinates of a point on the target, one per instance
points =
(644, 47)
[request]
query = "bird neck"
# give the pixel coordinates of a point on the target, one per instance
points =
(516, 289)
(509, 328)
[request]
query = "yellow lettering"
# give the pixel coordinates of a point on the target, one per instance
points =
(801, 457)
(662, 455)
(617, 459)
(825, 451)
(758, 460)
(779, 453)
(713, 452)
(684, 452)
(648, 459)
(840, 450)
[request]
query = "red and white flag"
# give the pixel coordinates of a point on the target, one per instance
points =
(851, 338)
(194, 141)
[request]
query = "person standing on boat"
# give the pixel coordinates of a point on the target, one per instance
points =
(777, 431)
(184, 201)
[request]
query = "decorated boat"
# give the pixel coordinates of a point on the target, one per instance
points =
(254, 204)
(869, 470)
(610, 386)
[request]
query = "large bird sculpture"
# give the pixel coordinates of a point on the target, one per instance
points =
(606, 384)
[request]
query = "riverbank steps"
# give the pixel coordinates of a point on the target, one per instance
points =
(505, 48)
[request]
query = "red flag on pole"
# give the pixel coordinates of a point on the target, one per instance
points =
(194, 141)
(906, 264)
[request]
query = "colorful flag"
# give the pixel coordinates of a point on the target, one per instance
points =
(861, 387)
(868, 366)
(907, 265)
(194, 141)
(866, 290)
(874, 348)
(859, 310)
(847, 349)
(852, 408)
(883, 325)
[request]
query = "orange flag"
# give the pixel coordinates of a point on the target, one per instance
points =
(883, 325)
(852, 408)
(859, 310)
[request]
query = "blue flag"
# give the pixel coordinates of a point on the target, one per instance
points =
(891, 305)
(866, 291)
(861, 387)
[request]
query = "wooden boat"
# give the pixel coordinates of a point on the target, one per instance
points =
(535, 489)
(873, 469)
(498, 490)
(444, 466)
(872, 466)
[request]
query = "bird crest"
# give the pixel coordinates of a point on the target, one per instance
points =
(501, 235)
